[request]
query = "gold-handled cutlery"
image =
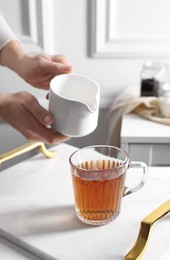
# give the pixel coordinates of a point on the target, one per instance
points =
(26, 148)
(138, 249)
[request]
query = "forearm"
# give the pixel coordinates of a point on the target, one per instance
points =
(12, 54)
(11, 49)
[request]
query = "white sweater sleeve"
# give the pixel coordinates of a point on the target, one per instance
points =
(6, 34)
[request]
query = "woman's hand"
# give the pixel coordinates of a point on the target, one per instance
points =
(36, 70)
(25, 114)
(39, 70)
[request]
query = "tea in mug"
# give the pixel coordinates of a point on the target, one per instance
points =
(98, 174)
(98, 190)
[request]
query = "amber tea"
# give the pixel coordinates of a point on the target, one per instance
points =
(98, 198)
(99, 174)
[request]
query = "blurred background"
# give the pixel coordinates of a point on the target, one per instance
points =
(107, 40)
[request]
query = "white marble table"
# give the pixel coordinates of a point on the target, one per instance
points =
(37, 206)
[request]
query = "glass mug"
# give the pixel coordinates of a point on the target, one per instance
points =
(98, 174)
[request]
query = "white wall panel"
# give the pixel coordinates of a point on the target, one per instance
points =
(32, 21)
(130, 29)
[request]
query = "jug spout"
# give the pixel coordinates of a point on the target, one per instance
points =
(79, 88)
(91, 100)
(92, 107)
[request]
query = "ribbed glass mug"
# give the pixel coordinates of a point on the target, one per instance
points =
(98, 174)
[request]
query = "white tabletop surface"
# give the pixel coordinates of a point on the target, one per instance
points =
(37, 206)
(137, 129)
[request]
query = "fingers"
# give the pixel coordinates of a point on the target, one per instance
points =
(64, 62)
(59, 64)
(40, 113)
(59, 68)
(34, 119)
(46, 135)
(61, 59)
(40, 69)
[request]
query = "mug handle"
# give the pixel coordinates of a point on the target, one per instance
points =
(143, 179)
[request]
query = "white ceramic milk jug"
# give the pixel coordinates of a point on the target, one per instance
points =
(74, 102)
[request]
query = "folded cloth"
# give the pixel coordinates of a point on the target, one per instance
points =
(129, 101)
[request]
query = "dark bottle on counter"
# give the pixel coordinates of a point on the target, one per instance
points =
(153, 75)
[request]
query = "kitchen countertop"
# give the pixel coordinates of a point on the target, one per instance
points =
(138, 129)
(37, 206)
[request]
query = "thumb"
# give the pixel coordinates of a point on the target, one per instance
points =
(39, 112)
